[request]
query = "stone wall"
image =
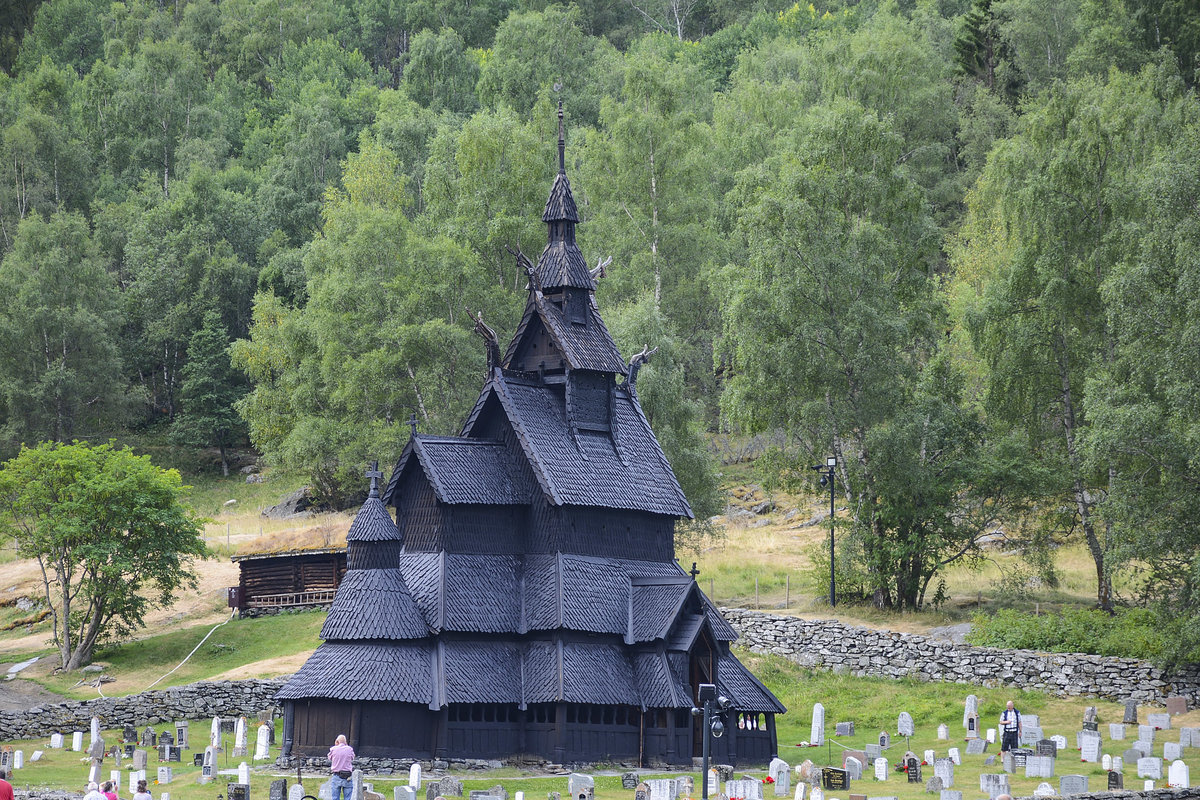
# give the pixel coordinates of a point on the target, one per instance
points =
(194, 701)
(827, 644)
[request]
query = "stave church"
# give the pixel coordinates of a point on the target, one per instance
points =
(525, 602)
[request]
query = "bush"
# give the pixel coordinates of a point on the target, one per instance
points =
(1129, 633)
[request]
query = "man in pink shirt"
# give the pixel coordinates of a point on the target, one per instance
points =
(341, 757)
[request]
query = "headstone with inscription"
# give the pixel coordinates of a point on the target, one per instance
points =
(854, 768)
(1060, 741)
(872, 751)
(816, 734)
(1172, 751)
(943, 733)
(181, 734)
(1039, 766)
(1178, 775)
(240, 739)
(1106, 762)
(912, 768)
(881, 769)
(930, 756)
(1149, 767)
(991, 735)
(844, 729)
(18, 759)
(994, 784)
(1131, 755)
(262, 743)
(77, 741)
(1131, 712)
(1046, 747)
(1116, 781)
(1072, 784)
(1090, 749)
(835, 780)
(1029, 734)
(237, 791)
(1116, 731)
(944, 768)
(1045, 790)
(1118, 764)
(904, 724)
(782, 773)
(277, 790)
(714, 781)
(139, 759)
(1159, 721)
(885, 740)
(165, 774)
(976, 747)
(970, 709)
(56, 741)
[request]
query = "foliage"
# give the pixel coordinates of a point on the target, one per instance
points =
(108, 530)
(1128, 633)
(209, 391)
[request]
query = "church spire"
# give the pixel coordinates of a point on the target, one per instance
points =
(561, 264)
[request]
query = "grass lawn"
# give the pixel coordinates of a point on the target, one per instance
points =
(873, 704)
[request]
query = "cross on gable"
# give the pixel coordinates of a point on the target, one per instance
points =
(412, 423)
(374, 474)
(693, 571)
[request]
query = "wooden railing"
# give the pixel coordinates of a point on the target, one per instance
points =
(312, 598)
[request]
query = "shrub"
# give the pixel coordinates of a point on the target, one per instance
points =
(1129, 633)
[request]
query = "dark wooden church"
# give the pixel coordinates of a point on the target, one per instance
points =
(527, 602)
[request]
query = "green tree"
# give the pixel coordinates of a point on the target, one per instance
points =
(110, 533)
(208, 392)
(440, 74)
(60, 369)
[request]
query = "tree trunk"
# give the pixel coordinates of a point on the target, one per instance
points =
(224, 461)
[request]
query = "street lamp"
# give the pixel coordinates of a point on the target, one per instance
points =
(827, 478)
(712, 724)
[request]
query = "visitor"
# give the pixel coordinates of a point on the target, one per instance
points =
(93, 792)
(1010, 728)
(108, 792)
(6, 792)
(142, 792)
(341, 756)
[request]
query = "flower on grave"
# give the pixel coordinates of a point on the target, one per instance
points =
(924, 763)
(768, 780)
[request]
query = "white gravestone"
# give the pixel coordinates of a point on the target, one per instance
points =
(1146, 733)
(1177, 775)
(881, 769)
(971, 709)
(18, 759)
(955, 756)
(243, 773)
(782, 773)
(414, 775)
(94, 772)
(1118, 764)
(1060, 741)
(943, 733)
(240, 741)
(904, 724)
(944, 768)
(817, 793)
(137, 775)
(664, 789)
(164, 775)
(37, 756)
(214, 735)
(816, 734)
(516, 795)
(1031, 719)
(356, 781)
(1116, 731)
(1149, 767)
(1106, 762)
(991, 735)
(1172, 751)
(262, 743)
(114, 775)
(930, 756)
(1148, 786)
(799, 795)
(296, 792)
(77, 741)
(1090, 751)
(1045, 790)
(95, 730)
(56, 741)
(399, 793)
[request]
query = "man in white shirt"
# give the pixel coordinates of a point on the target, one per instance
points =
(1010, 728)
(93, 792)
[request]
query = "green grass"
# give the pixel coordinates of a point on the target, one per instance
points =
(237, 643)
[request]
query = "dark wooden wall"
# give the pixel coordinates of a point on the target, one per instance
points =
(418, 514)
(290, 573)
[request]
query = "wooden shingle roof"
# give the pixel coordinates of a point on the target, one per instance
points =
(399, 672)
(587, 346)
(746, 691)
(482, 672)
(373, 523)
(560, 205)
(462, 470)
(654, 605)
(373, 604)
(562, 264)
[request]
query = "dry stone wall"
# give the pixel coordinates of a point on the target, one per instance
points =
(832, 645)
(193, 701)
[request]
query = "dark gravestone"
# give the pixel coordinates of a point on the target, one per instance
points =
(844, 729)
(1047, 747)
(1130, 717)
(166, 738)
(1019, 755)
(174, 754)
(129, 734)
(629, 780)
(229, 726)
(1116, 781)
(913, 770)
(198, 759)
(238, 791)
(976, 747)
(129, 748)
(1091, 726)
(837, 780)
(885, 740)
(278, 790)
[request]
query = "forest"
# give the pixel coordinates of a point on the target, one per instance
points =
(952, 243)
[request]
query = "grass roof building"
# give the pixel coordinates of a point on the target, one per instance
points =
(527, 602)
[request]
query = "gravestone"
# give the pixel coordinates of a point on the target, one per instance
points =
(665, 789)
(94, 772)
(181, 734)
(1090, 750)
(835, 780)
(976, 747)
(904, 724)
(1039, 766)
(214, 734)
(943, 733)
(1172, 751)
(686, 786)
(1149, 767)
(854, 768)
(1118, 764)
(1045, 790)
(816, 734)
(243, 773)
(970, 710)
(1131, 755)
(414, 777)
(583, 787)
(1046, 747)
(994, 784)
(955, 756)
(37, 756)
(402, 792)
(166, 738)
(1185, 736)
(933, 785)
(913, 769)
(950, 794)
(861, 755)
(96, 749)
(1029, 734)
(240, 741)
(262, 743)
(930, 756)
(990, 761)
(1144, 747)
(991, 735)
(782, 773)
(844, 729)
(1178, 775)
(237, 791)
(174, 754)
(356, 783)
(973, 728)
(278, 790)
(149, 737)
(451, 786)
(18, 759)
(804, 772)
(1148, 786)
(642, 792)
(77, 741)
(56, 741)
(885, 741)
(1116, 781)
(801, 789)
(197, 759)
(1090, 726)
(129, 734)
(1159, 721)
(1060, 741)
(943, 768)
(1106, 762)
(1176, 705)
(139, 759)
(872, 751)
(1116, 731)
(165, 774)
(817, 793)
(714, 782)
(137, 775)
(95, 730)
(1089, 714)
(745, 788)
(1072, 784)
(128, 751)
(1131, 709)
(208, 769)
(881, 769)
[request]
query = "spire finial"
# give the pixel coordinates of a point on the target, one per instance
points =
(374, 474)
(412, 423)
(562, 141)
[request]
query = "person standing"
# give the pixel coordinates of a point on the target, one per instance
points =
(142, 792)
(1010, 728)
(341, 759)
(6, 792)
(93, 792)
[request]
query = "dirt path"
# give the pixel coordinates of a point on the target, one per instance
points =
(21, 695)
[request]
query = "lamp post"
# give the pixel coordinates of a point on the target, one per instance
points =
(712, 725)
(827, 478)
